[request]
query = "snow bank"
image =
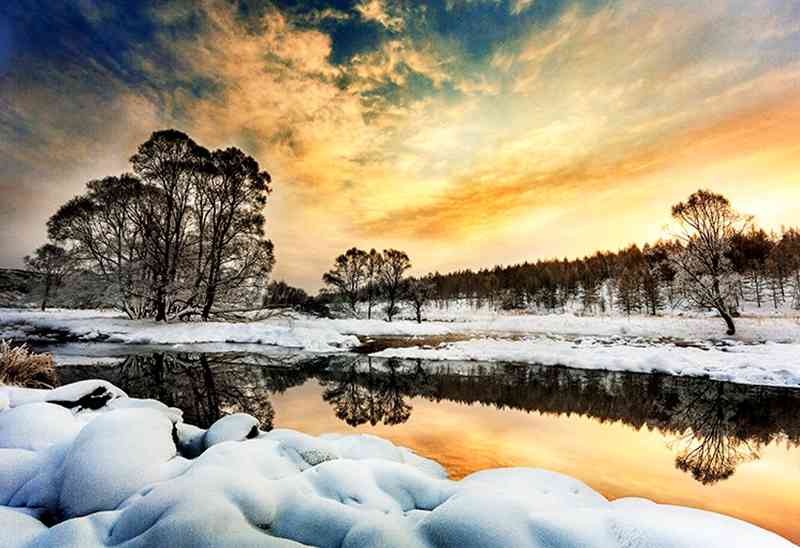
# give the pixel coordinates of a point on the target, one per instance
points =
(769, 364)
(117, 473)
(327, 335)
(101, 326)
(764, 351)
(687, 328)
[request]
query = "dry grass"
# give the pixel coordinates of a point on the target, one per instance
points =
(21, 367)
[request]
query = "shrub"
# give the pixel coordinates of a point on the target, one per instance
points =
(21, 367)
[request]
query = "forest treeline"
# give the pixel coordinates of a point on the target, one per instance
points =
(765, 267)
(717, 259)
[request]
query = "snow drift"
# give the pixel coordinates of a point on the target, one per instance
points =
(128, 472)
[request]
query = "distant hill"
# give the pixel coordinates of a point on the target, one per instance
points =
(16, 286)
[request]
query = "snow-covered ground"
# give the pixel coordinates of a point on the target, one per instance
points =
(778, 329)
(765, 350)
(114, 327)
(131, 473)
(768, 364)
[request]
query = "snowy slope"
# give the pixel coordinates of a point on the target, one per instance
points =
(131, 473)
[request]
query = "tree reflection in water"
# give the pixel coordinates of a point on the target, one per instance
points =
(711, 447)
(714, 426)
(362, 392)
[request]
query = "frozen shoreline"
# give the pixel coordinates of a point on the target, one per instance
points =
(131, 472)
(766, 350)
(768, 364)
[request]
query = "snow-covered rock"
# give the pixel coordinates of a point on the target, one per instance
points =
(36, 426)
(114, 456)
(88, 394)
(121, 480)
(18, 528)
(235, 427)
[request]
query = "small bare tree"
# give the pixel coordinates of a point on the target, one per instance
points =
(395, 264)
(348, 275)
(418, 294)
(51, 261)
(707, 225)
(372, 269)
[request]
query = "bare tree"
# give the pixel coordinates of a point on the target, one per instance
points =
(52, 262)
(231, 249)
(372, 269)
(184, 236)
(707, 225)
(105, 230)
(395, 264)
(167, 161)
(419, 293)
(348, 275)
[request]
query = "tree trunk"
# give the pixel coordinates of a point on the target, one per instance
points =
(390, 308)
(161, 308)
(728, 320)
(211, 295)
(46, 293)
(757, 283)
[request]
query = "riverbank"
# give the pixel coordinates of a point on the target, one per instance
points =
(763, 352)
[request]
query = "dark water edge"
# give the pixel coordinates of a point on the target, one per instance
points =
(709, 429)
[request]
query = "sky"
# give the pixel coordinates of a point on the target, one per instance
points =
(467, 132)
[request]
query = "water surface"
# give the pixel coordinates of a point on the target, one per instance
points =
(719, 446)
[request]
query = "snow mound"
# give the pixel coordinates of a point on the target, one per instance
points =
(118, 474)
(36, 426)
(236, 427)
(113, 457)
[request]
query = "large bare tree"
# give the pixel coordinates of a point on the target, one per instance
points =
(707, 224)
(231, 249)
(183, 235)
(167, 161)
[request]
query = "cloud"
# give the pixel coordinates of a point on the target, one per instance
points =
(376, 10)
(521, 5)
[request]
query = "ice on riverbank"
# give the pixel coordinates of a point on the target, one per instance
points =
(765, 350)
(122, 474)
